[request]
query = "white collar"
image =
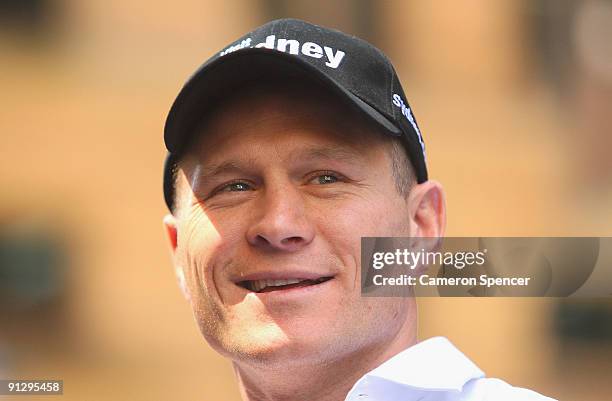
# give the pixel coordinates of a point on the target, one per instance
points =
(431, 365)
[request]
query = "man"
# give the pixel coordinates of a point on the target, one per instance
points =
(285, 149)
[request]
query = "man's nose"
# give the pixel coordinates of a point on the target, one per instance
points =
(281, 222)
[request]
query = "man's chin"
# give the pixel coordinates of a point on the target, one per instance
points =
(273, 348)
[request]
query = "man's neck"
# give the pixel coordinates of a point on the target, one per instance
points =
(325, 381)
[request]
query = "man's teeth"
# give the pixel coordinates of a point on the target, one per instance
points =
(258, 285)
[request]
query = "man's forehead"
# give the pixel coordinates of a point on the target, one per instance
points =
(240, 161)
(310, 130)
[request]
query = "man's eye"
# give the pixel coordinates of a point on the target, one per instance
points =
(235, 187)
(326, 178)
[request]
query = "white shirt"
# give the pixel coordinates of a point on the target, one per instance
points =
(434, 370)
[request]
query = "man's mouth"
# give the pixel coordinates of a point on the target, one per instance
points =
(276, 285)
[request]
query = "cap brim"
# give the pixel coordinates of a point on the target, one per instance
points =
(229, 72)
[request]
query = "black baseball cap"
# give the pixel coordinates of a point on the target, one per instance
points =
(349, 66)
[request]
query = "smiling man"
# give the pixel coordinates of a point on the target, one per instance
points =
(285, 149)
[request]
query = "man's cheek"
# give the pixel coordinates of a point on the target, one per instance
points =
(207, 260)
(198, 231)
(196, 253)
(345, 234)
(209, 239)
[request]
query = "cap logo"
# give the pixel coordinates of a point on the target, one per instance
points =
(246, 43)
(332, 57)
(406, 112)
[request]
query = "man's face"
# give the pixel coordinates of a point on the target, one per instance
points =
(273, 200)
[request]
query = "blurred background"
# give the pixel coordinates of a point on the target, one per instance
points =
(514, 98)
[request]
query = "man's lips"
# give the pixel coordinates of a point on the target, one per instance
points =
(275, 285)
(280, 280)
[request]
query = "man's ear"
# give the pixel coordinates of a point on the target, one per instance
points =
(171, 231)
(172, 234)
(427, 210)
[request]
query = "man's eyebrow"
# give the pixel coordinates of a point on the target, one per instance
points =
(228, 166)
(329, 153)
(305, 154)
